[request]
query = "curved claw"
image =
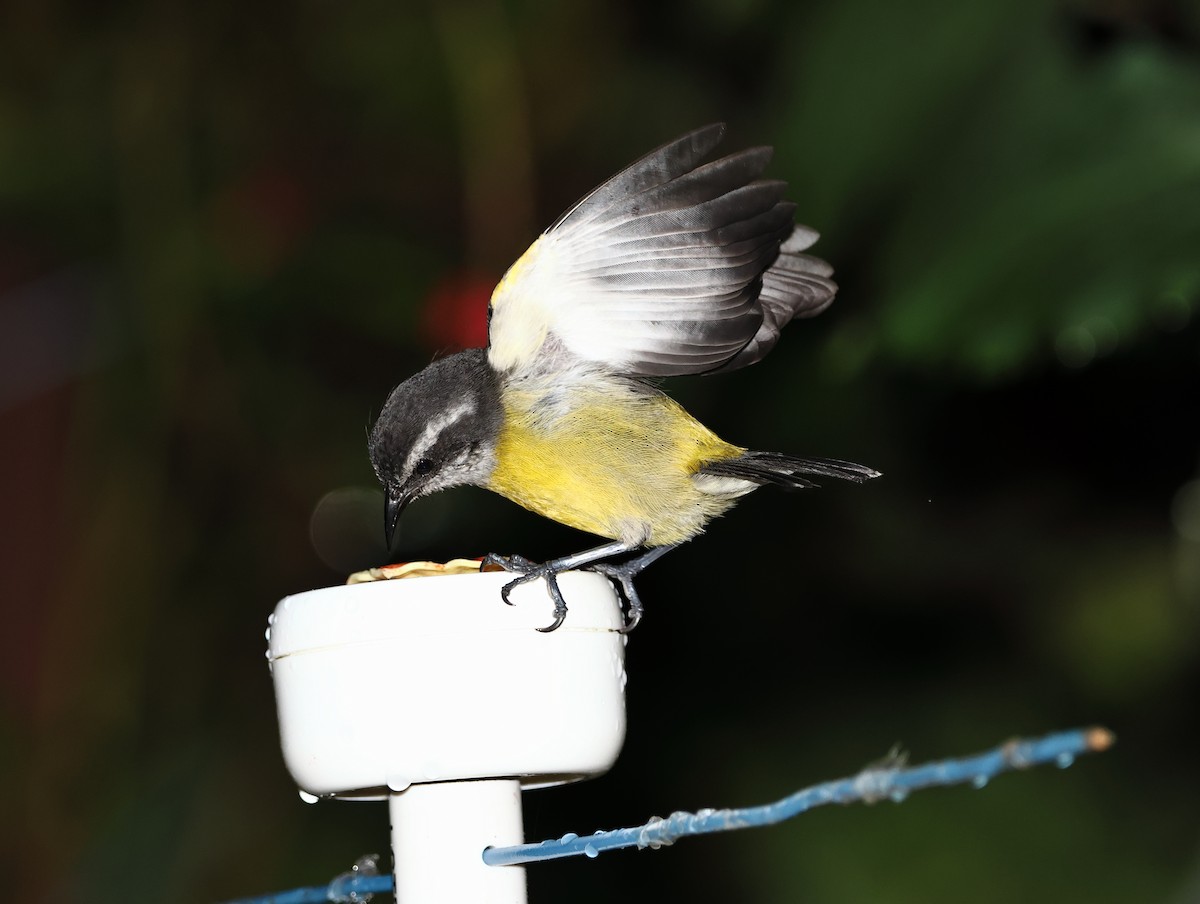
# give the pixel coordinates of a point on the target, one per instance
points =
(632, 620)
(532, 572)
(507, 589)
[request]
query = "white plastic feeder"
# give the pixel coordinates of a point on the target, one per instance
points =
(431, 693)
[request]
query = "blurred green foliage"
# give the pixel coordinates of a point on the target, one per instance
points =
(226, 232)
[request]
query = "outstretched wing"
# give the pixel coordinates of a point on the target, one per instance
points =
(673, 266)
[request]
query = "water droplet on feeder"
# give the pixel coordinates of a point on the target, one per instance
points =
(308, 798)
(979, 781)
(1063, 760)
(589, 850)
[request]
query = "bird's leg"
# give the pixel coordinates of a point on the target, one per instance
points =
(624, 573)
(550, 571)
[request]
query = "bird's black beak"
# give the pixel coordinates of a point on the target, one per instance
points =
(392, 507)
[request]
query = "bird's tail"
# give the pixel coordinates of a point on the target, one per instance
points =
(786, 471)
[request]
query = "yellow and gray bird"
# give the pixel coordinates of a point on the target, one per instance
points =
(673, 266)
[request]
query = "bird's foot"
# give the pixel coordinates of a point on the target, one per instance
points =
(549, 571)
(531, 571)
(624, 574)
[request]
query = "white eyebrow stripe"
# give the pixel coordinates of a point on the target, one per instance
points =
(433, 429)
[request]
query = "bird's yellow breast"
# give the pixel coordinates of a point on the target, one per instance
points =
(616, 464)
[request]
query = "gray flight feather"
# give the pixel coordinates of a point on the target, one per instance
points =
(672, 266)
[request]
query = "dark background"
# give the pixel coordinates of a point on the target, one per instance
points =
(227, 229)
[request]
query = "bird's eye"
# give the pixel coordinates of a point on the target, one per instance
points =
(423, 466)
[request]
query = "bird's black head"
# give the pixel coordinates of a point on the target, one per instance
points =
(437, 429)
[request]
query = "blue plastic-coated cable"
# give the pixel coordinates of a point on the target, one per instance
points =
(890, 780)
(345, 889)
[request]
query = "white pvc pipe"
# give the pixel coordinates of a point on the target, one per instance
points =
(439, 831)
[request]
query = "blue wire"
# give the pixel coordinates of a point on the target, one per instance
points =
(343, 889)
(887, 781)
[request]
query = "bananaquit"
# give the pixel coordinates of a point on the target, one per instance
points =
(673, 266)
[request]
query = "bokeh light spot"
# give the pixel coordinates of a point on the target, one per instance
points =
(346, 528)
(1075, 347)
(1185, 511)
